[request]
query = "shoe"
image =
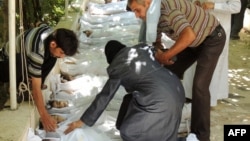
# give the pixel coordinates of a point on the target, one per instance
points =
(192, 137)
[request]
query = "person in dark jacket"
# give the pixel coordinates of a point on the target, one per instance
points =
(152, 109)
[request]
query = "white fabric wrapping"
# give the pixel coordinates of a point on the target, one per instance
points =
(153, 15)
(107, 9)
(246, 23)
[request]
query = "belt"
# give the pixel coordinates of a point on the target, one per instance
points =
(217, 31)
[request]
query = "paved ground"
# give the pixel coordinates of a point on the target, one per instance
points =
(235, 109)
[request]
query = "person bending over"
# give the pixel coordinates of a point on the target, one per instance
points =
(42, 47)
(153, 106)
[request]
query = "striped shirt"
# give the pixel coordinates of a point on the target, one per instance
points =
(179, 14)
(35, 49)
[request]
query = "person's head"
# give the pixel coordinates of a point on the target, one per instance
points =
(111, 49)
(139, 7)
(62, 42)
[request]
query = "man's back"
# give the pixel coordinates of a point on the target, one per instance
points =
(139, 71)
(178, 14)
(33, 39)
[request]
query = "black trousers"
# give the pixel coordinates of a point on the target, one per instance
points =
(206, 55)
(4, 66)
(237, 19)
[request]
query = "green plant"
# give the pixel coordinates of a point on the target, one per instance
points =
(52, 11)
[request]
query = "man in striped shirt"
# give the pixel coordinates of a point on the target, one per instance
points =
(198, 37)
(41, 47)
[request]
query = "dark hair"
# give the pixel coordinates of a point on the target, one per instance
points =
(66, 39)
(112, 48)
(141, 2)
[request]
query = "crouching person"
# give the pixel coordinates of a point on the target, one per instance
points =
(152, 109)
(42, 46)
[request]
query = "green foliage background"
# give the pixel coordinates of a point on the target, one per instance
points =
(52, 11)
(33, 11)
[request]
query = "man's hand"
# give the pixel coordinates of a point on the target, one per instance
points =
(163, 57)
(207, 5)
(73, 125)
(49, 123)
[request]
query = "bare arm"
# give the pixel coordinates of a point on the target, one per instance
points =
(186, 37)
(49, 124)
(73, 126)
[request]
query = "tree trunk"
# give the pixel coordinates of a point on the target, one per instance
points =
(37, 10)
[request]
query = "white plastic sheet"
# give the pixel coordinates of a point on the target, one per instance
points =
(153, 15)
(32, 137)
(107, 9)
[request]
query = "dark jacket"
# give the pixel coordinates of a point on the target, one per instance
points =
(155, 90)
